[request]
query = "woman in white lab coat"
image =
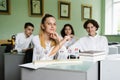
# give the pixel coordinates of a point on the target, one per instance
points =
(68, 30)
(92, 41)
(48, 43)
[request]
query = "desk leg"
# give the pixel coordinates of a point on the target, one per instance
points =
(99, 70)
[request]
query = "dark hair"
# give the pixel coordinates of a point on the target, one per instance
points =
(46, 16)
(63, 30)
(28, 24)
(92, 22)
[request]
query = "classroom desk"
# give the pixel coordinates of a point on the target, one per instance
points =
(10, 66)
(114, 49)
(109, 70)
(2, 48)
(62, 71)
(118, 48)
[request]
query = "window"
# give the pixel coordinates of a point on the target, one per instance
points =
(112, 21)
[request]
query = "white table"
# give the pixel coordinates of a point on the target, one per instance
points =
(61, 71)
(11, 66)
(114, 49)
(110, 68)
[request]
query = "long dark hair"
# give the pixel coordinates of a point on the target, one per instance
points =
(63, 30)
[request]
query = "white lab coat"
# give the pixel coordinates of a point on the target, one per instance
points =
(96, 43)
(40, 53)
(70, 42)
(22, 42)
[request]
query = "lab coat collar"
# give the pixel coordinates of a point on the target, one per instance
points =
(94, 36)
(26, 36)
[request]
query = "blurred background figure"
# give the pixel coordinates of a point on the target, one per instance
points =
(68, 31)
(23, 42)
(24, 39)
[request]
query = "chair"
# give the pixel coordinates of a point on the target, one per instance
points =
(28, 56)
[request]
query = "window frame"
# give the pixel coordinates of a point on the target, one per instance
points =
(109, 19)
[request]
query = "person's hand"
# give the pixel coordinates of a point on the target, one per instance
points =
(67, 38)
(71, 36)
(54, 36)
